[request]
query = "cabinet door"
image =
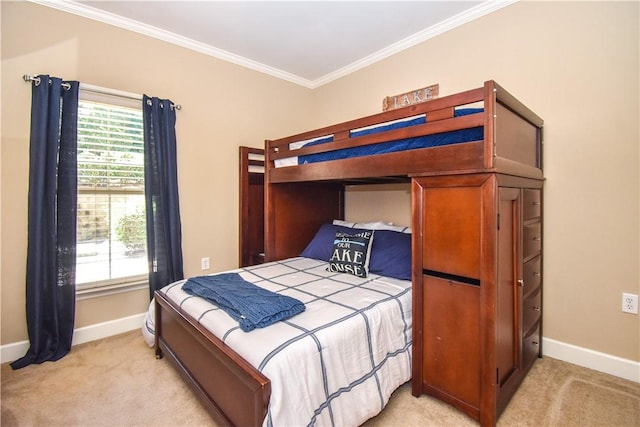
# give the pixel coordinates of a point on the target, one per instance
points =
(451, 230)
(508, 291)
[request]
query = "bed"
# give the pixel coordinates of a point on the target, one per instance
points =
(475, 275)
(349, 350)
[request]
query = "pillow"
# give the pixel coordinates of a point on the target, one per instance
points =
(321, 246)
(377, 225)
(351, 252)
(390, 252)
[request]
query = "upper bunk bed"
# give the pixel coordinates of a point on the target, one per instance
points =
(485, 129)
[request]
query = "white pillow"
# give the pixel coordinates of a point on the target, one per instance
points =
(377, 225)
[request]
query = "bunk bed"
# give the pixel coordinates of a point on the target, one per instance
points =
(476, 247)
(251, 215)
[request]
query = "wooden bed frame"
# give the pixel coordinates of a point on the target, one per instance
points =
(251, 206)
(298, 199)
(512, 145)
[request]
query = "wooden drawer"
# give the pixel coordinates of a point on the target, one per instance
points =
(531, 310)
(531, 240)
(531, 347)
(531, 203)
(531, 275)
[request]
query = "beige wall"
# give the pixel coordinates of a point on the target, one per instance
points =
(224, 106)
(575, 64)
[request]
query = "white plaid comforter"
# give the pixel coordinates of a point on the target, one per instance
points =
(338, 362)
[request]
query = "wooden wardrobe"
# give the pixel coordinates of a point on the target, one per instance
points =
(473, 344)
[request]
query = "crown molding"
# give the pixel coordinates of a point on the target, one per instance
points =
(85, 11)
(169, 37)
(474, 13)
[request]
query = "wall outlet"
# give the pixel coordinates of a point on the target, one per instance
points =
(630, 303)
(204, 263)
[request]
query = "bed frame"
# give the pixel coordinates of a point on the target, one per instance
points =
(298, 199)
(511, 146)
(251, 214)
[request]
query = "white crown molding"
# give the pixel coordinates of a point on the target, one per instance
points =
(83, 10)
(479, 11)
(151, 31)
(167, 36)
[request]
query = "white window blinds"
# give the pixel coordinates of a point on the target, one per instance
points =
(111, 207)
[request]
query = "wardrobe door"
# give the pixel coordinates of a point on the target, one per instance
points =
(508, 347)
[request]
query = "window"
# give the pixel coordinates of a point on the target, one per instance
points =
(111, 230)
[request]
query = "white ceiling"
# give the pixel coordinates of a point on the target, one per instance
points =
(306, 42)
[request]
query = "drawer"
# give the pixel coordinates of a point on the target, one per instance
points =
(531, 275)
(531, 240)
(531, 347)
(531, 310)
(531, 203)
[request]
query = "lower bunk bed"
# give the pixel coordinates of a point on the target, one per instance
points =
(336, 363)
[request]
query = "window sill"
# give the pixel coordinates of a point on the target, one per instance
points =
(116, 288)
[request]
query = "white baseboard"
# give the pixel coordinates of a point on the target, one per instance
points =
(14, 351)
(602, 362)
(613, 365)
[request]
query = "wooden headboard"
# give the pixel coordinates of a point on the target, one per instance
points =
(251, 216)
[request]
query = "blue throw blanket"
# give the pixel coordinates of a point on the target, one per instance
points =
(252, 306)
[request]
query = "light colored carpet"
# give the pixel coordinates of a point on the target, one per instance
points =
(118, 382)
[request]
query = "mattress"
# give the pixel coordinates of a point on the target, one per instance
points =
(349, 350)
(434, 140)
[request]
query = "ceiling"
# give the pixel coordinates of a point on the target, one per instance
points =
(306, 42)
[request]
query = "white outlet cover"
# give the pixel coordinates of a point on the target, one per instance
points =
(630, 303)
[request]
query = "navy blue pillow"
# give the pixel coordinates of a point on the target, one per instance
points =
(390, 252)
(321, 246)
(351, 252)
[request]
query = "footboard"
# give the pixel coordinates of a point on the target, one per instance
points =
(232, 390)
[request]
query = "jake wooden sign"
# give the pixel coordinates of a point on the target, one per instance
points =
(414, 97)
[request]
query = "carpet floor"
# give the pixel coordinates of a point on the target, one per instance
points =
(118, 382)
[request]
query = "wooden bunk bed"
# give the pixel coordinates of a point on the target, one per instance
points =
(476, 252)
(251, 215)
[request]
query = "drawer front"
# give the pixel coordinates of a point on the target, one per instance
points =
(531, 203)
(531, 347)
(531, 310)
(531, 240)
(531, 275)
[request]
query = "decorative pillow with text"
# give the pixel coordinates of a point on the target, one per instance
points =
(351, 253)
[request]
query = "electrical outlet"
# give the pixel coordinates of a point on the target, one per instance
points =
(630, 303)
(204, 263)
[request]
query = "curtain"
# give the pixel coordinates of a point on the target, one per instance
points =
(51, 241)
(164, 233)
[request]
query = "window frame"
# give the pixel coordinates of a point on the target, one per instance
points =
(121, 284)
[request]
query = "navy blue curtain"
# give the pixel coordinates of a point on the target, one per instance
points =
(164, 231)
(51, 246)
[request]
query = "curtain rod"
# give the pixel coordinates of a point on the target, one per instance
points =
(96, 89)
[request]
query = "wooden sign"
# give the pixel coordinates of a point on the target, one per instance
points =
(410, 98)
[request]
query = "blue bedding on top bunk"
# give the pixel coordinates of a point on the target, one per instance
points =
(452, 137)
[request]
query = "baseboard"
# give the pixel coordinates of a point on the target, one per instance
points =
(613, 365)
(602, 362)
(14, 351)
